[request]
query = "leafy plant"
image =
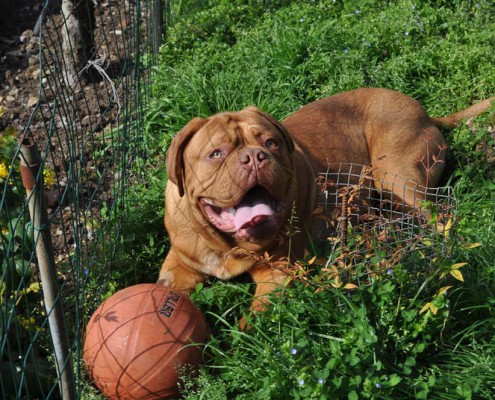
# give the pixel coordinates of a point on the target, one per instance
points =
(15, 237)
(22, 315)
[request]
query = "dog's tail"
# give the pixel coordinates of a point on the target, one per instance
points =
(454, 120)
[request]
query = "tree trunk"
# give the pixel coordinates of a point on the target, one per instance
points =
(77, 37)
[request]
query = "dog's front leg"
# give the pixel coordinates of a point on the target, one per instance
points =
(268, 277)
(178, 276)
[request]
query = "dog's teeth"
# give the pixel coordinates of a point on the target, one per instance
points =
(231, 210)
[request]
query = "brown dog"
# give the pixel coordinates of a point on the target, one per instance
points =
(236, 178)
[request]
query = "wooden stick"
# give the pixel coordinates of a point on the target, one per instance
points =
(30, 170)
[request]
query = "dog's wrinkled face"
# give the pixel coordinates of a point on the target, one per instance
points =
(236, 168)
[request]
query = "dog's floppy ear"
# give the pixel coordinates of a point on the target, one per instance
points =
(278, 124)
(175, 153)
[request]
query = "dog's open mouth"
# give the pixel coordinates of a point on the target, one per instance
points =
(258, 215)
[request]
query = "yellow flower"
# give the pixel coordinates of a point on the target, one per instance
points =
(33, 287)
(27, 322)
(4, 171)
(49, 176)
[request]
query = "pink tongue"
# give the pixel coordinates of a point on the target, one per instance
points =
(252, 212)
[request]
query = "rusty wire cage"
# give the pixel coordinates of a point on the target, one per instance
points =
(372, 230)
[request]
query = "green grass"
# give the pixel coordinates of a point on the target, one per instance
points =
(372, 342)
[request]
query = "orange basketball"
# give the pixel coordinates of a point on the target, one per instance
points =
(138, 340)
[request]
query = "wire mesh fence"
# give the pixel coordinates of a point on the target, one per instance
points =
(378, 225)
(66, 149)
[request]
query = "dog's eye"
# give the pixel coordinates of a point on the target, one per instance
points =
(270, 144)
(216, 154)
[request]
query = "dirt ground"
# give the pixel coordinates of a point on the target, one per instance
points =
(92, 107)
(19, 71)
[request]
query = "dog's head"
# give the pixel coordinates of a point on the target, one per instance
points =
(236, 169)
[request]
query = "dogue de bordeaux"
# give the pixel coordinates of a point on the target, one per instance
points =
(236, 177)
